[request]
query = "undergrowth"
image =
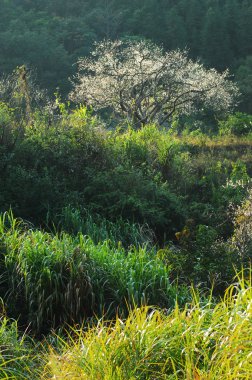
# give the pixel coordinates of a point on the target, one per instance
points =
(204, 340)
(50, 280)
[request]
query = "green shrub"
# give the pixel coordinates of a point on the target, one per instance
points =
(242, 237)
(127, 177)
(128, 193)
(201, 257)
(239, 124)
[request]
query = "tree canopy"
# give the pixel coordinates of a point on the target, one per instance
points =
(141, 82)
(50, 35)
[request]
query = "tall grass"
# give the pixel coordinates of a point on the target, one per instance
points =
(203, 341)
(71, 220)
(17, 353)
(142, 332)
(58, 279)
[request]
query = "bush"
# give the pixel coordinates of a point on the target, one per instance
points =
(242, 237)
(128, 193)
(140, 177)
(201, 257)
(239, 124)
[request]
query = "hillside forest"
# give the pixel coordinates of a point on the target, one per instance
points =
(126, 197)
(49, 36)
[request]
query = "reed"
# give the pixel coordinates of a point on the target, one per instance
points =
(203, 341)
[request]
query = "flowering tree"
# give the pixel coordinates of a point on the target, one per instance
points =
(141, 82)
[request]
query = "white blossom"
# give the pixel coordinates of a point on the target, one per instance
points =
(141, 82)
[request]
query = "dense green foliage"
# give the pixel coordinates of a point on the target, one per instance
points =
(53, 280)
(128, 218)
(117, 242)
(150, 186)
(50, 36)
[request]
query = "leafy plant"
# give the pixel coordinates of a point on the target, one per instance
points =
(242, 237)
(239, 124)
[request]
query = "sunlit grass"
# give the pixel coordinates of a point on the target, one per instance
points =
(202, 341)
(57, 279)
(134, 324)
(18, 357)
